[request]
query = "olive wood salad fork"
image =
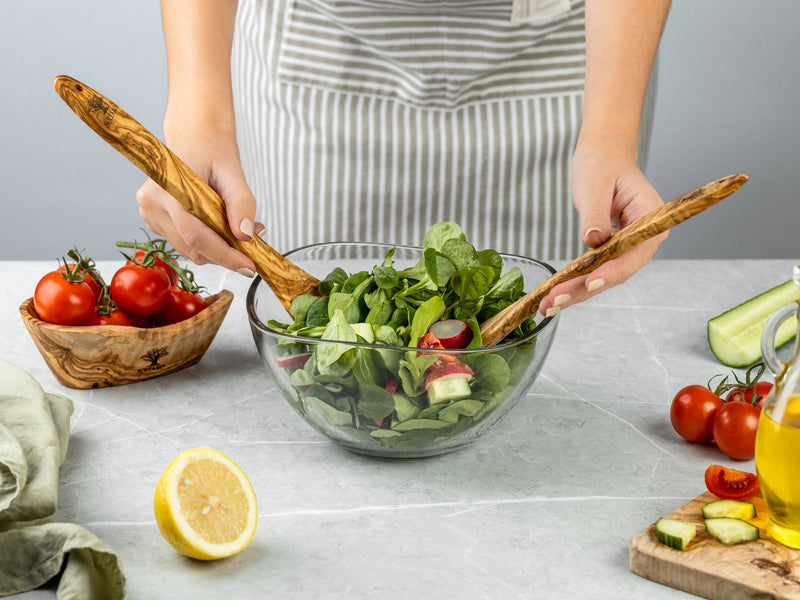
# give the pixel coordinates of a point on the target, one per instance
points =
(158, 162)
(658, 221)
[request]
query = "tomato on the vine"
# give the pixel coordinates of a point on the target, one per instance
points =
(150, 289)
(63, 298)
(139, 290)
(142, 322)
(181, 305)
(734, 429)
(115, 317)
(752, 390)
(692, 413)
(171, 273)
(731, 484)
(95, 287)
(745, 394)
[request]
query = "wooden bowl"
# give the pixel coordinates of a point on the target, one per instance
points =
(103, 355)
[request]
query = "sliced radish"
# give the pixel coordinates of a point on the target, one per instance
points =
(383, 423)
(452, 333)
(391, 386)
(292, 360)
(448, 371)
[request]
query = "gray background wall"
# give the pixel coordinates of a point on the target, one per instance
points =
(727, 102)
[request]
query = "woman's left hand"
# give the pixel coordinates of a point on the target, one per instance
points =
(609, 192)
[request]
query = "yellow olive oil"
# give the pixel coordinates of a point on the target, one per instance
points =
(778, 468)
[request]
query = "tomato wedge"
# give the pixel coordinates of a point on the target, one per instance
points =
(730, 484)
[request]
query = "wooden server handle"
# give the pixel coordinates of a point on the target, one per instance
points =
(658, 221)
(158, 162)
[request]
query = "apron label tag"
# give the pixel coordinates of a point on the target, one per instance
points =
(537, 10)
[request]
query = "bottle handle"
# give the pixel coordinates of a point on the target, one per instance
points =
(768, 337)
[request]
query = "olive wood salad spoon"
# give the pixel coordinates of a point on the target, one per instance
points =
(658, 221)
(158, 162)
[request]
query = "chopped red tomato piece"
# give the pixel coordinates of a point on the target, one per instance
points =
(430, 341)
(731, 484)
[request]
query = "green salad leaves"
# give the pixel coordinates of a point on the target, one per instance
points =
(377, 392)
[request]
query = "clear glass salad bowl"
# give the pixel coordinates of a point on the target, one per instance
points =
(368, 404)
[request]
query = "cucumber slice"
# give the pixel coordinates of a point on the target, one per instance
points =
(735, 335)
(736, 509)
(448, 388)
(675, 534)
(731, 531)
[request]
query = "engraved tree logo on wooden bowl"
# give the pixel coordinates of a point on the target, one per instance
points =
(154, 356)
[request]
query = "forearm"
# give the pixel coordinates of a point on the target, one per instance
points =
(199, 36)
(622, 38)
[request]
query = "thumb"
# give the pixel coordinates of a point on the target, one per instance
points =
(593, 204)
(595, 229)
(240, 204)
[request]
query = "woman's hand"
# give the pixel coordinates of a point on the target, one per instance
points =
(200, 128)
(609, 192)
(214, 157)
(608, 189)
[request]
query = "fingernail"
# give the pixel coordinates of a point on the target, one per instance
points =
(595, 285)
(246, 272)
(561, 299)
(246, 227)
(552, 311)
(260, 230)
(591, 230)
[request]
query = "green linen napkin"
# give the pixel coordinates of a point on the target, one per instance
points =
(34, 433)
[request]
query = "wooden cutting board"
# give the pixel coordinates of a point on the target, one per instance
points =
(708, 568)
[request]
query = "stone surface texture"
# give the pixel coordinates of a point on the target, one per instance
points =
(543, 506)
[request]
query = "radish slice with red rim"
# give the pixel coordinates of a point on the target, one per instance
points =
(452, 333)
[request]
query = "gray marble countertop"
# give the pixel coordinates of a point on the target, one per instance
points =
(543, 506)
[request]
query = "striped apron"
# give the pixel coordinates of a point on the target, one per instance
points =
(371, 120)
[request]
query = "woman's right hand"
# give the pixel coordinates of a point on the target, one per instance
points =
(215, 158)
(200, 128)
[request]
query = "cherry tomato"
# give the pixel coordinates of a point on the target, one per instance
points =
(61, 301)
(734, 429)
(745, 394)
(140, 291)
(181, 305)
(115, 317)
(730, 484)
(173, 276)
(692, 413)
(96, 289)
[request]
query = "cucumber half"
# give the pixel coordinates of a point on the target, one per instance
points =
(675, 534)
(737, 509)
(735, 335)
(731, 531)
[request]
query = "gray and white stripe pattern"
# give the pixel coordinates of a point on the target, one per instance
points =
(447, 58)
(371, 120)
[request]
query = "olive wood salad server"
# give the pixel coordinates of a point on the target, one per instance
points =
(658, 221)
(158, 162)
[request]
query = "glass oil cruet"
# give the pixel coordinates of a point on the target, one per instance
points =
(778, 436)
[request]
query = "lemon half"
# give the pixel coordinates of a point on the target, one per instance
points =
(205, 506)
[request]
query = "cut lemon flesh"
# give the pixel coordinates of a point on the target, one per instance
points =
(205, 506)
